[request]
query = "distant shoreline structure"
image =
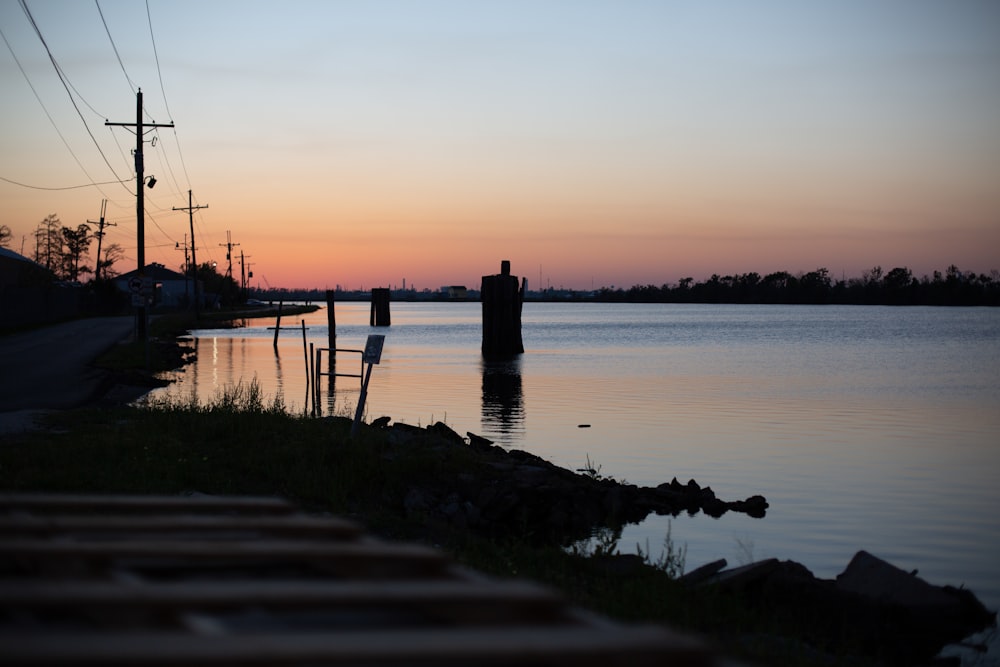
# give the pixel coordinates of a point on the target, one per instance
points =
(897, 287)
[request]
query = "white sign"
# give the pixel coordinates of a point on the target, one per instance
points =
(373, 349)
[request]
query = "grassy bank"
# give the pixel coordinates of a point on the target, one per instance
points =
(161, 352)
(240, 444)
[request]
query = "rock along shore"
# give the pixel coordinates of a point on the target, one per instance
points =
(513, 492)
(889, 614)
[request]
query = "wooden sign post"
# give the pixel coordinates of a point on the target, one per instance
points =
(371, 356)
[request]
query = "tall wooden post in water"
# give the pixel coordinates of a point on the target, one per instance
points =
(502, 299)
(331, 329)
(380, 307)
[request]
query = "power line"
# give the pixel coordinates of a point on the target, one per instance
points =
(156, 57)
(66, 86)
(166, 104)
(117, 55)
(49, 116)
(68, 187)
(62, 75)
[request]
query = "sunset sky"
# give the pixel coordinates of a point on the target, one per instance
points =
(361, 143)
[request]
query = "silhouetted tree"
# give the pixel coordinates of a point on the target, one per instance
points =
(48, 242)
(113, 252)
(76, 243)
(224, 287)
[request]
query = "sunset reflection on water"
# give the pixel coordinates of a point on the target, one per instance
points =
(860, 432)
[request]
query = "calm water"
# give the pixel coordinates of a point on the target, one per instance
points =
(864, 427)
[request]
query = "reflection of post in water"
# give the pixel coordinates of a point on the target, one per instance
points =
(195, 370)
(278, 376)
(503, 399)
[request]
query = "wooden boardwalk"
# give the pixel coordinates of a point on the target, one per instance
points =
(201, 580)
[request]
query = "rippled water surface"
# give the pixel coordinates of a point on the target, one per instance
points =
(865, 427)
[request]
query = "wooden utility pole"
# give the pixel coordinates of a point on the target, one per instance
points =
(101, 224)
(191, 208)
(187, 267)
(229, 254)
(243, 275)
(140, 210)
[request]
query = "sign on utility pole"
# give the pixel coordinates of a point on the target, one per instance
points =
(371, 356)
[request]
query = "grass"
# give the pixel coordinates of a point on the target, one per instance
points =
(241, 444)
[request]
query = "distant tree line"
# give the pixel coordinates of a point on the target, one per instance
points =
(896, 287)
(64, 252)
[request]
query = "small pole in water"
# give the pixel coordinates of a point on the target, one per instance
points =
(316, 369)
(277, 326)
(305, 355)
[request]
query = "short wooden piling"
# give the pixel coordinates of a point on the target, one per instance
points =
(277, 325)
(502, 300)
(380, 307)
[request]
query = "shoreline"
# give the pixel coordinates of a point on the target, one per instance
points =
(530, 496)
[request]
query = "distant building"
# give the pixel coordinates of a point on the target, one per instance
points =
(18, 271)
(457, 292)
(30, 294)
(171, 289)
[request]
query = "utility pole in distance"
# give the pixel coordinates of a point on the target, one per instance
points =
(243, 275)
(100, 236)
(191, 208)
(229, 253)
(140, 211)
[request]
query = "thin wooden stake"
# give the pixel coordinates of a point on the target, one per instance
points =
(277, 326)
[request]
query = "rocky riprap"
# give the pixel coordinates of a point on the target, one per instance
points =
(515, 493)
(872, 608)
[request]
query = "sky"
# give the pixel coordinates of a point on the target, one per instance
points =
(364, 143)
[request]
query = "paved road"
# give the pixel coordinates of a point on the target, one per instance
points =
(49, 368)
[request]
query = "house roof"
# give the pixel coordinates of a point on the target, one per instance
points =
(7, 253)
(156, 272)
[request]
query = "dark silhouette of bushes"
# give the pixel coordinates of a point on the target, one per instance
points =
(898, 287)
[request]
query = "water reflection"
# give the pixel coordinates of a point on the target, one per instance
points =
(503, 399)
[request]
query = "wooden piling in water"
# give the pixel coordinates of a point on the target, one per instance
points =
(380, 307)
(502, 300)
(277, 326)
(331, 328)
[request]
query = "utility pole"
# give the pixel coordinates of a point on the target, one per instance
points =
(243, 275)
(229, 253)
(140, 210)
(187, 267)
(250, 275)
(100, 236)
(191, 208)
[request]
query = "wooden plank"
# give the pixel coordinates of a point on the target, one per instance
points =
(359, 556)
(25, 594)
(572, 646)
(463, 602)
(81, 502)
(215, 524)
(113, 580)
